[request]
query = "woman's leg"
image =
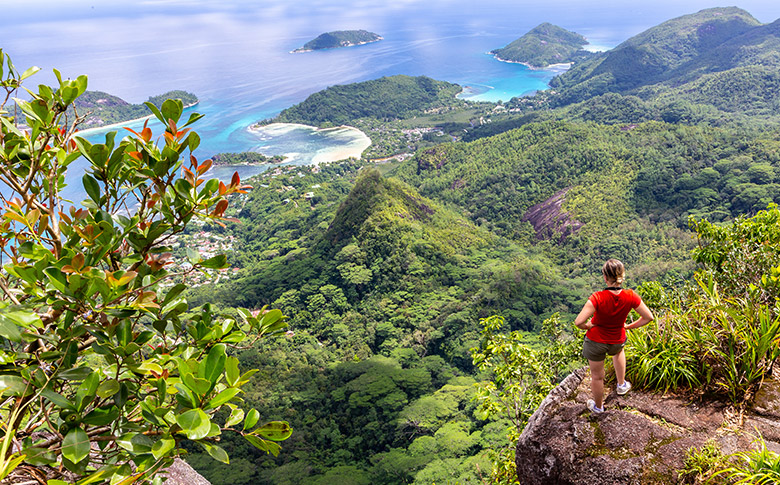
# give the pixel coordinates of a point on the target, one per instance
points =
(619, 363)
(597, 382)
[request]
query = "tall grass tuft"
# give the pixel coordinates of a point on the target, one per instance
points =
(758, 467)
(713, 344)
(661, 360)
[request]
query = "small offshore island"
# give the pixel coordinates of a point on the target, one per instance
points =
(339, 38)
(544, 46)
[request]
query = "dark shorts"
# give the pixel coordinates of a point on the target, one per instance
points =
(597, 352)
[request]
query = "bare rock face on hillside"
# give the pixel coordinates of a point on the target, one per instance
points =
(641, 438)
(549, 220)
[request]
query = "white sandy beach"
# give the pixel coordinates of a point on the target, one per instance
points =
(551, 67)
(352, 148)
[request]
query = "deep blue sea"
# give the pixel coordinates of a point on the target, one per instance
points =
(235, 55)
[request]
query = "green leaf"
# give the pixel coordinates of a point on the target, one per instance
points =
(212, 367)
(195, 424)
(135, 443)
(217, 262)
(108, 388)
(193, 256)
(163, 447)
(171, 109)
(231, 370)
(86, 391)
(156, 112)
(23, 318)
(101, 416)
(74, 374)
(69, 94)
(58, 400)
(173, 293)
(193, 118)
(223, 397)
(92, 187)
(215, 451)
(235, 417)
(57, 278)
(75, 446)
(201, 387)
(29, 72)
(13, 385)
(261, 444)
(9, 329)
(252, 417)
(275, 430)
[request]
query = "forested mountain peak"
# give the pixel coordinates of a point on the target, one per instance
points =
(543, 45)
(379, 204)
(655, 55)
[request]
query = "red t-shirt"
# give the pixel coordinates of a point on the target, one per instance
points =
(610, 316)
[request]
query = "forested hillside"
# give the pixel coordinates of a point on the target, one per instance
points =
(396, 275)
(402, 97)
(102, 109)
(386, 274)
(544, 45)
(703, 67)
(428, 289)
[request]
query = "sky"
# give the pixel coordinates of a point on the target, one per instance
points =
(32, 10)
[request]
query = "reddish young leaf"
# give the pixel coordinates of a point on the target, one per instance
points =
(189, 176)
(132, 131)
(235, 180)
(222, 188)
(204, 166)
(222, 205)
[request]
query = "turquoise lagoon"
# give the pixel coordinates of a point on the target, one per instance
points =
(235, 55)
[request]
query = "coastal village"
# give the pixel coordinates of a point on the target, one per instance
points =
(209, 243)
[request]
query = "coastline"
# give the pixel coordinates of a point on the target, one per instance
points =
(122, 124)
(301, 50)
(332, 155)
(549, 67)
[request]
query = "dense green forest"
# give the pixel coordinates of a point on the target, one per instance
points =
(544, 45)
(386, 273)
(100, 109)
(403, 97)
(385, 277)
(404, 281)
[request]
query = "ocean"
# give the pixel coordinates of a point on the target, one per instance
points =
(235, 55)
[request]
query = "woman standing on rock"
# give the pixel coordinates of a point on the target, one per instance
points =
(606, 331)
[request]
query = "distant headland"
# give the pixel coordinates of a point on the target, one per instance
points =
(103, 110)
(543, 46)
(339, 38)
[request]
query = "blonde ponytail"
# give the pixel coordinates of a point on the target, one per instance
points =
(614, 271)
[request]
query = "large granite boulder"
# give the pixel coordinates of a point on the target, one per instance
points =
(641, 438)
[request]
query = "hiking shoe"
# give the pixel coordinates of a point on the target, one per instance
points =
(593, 408)
(624, 388)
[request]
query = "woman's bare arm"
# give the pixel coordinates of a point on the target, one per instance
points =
(645, 317)
(583, 319)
